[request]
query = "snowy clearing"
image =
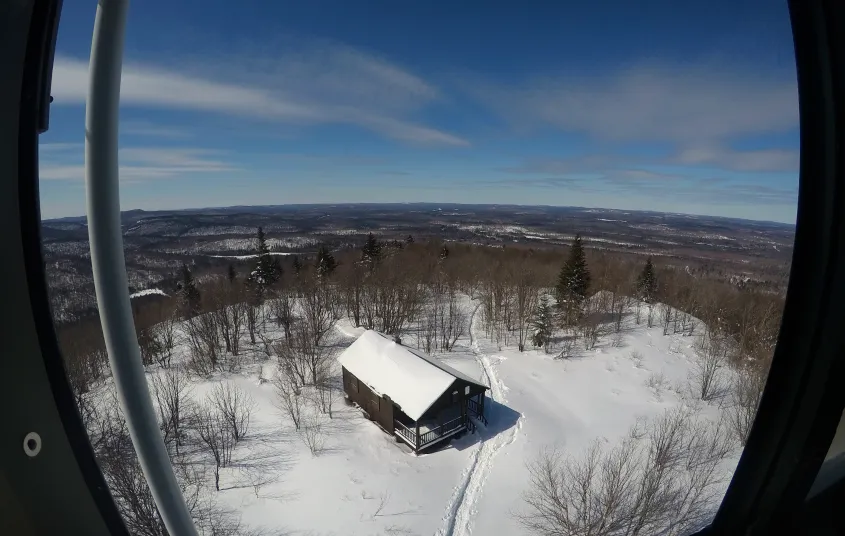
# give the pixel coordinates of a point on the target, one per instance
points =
(253, 256)
(363, 482)
(148, 292)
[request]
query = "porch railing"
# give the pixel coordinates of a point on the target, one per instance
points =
(475, 408)
(441, 430)
(410, 435)
(406, 433)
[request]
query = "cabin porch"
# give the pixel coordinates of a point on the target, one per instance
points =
(434, 427)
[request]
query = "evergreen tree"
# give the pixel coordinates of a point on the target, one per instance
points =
(325, 264)
(231, 275)
(573, 283)
(297, 265)
(371, 252)
(267, 268)
(647, 283)
(189, 294)
(409, 239)
(542, 323)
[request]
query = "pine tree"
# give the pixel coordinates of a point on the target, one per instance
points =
(573, 283)
(231, 274)
(444, 252)
(189, 295)
(297, 265)
(647, 283)
(542, 323)
(371, 252)
(409, 239)
(325, 264)
(267, 268)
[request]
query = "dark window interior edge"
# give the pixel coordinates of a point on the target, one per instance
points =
(804, 397)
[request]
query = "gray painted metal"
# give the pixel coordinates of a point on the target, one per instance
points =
(108, 263)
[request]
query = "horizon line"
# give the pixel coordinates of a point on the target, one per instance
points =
(449, 203)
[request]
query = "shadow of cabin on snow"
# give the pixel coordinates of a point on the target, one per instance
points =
(410, 395)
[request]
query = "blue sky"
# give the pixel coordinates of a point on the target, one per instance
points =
(671, 106)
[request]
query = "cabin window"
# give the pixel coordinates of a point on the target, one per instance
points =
(466, 390)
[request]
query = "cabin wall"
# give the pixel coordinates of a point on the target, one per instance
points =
(444, 401)
(449, 398)
(379, 409)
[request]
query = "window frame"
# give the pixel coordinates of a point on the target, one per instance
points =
(799, 411)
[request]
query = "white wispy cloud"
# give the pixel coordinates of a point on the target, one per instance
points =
(698, 155)
(687, 104)
(152, 130)
(137, 163)
(323, 85)
(749, 160)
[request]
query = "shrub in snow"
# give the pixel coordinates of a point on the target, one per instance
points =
(663, 478)
(312, 434)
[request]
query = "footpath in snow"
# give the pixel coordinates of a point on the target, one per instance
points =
(461, 511)
(362, 482)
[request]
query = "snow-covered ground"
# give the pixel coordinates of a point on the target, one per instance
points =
(148, 292)
(365, 483)
(252, 256)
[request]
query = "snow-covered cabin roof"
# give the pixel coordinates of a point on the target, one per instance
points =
(409, 377)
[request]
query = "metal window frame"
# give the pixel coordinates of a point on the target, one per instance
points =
(61, 490)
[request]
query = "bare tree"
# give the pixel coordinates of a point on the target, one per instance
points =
(122, 471)
(590, 329)
(318, 315)
(312, 434)
(236, 313)
(618, 305)
(526, 295)
(453, 321)
(707, 372)
(166, 332)
(666, 311)
(325, 388)
(266, 345)
(281, 307)
(289, 396)
(663, 478)
(391, 296)
(291, 356)
(428, 329)
(221, 298)
(302, 357)
(251, 314)
(204, 340)
(235, 406)
(216, 435)
(131, 493)
(199, 363)
(171, 391)
(745, 394)
(150, 346)
(496, 308)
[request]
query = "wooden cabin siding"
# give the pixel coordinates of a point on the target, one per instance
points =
(378, 408)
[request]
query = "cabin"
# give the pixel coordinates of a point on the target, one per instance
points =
(412, 396)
